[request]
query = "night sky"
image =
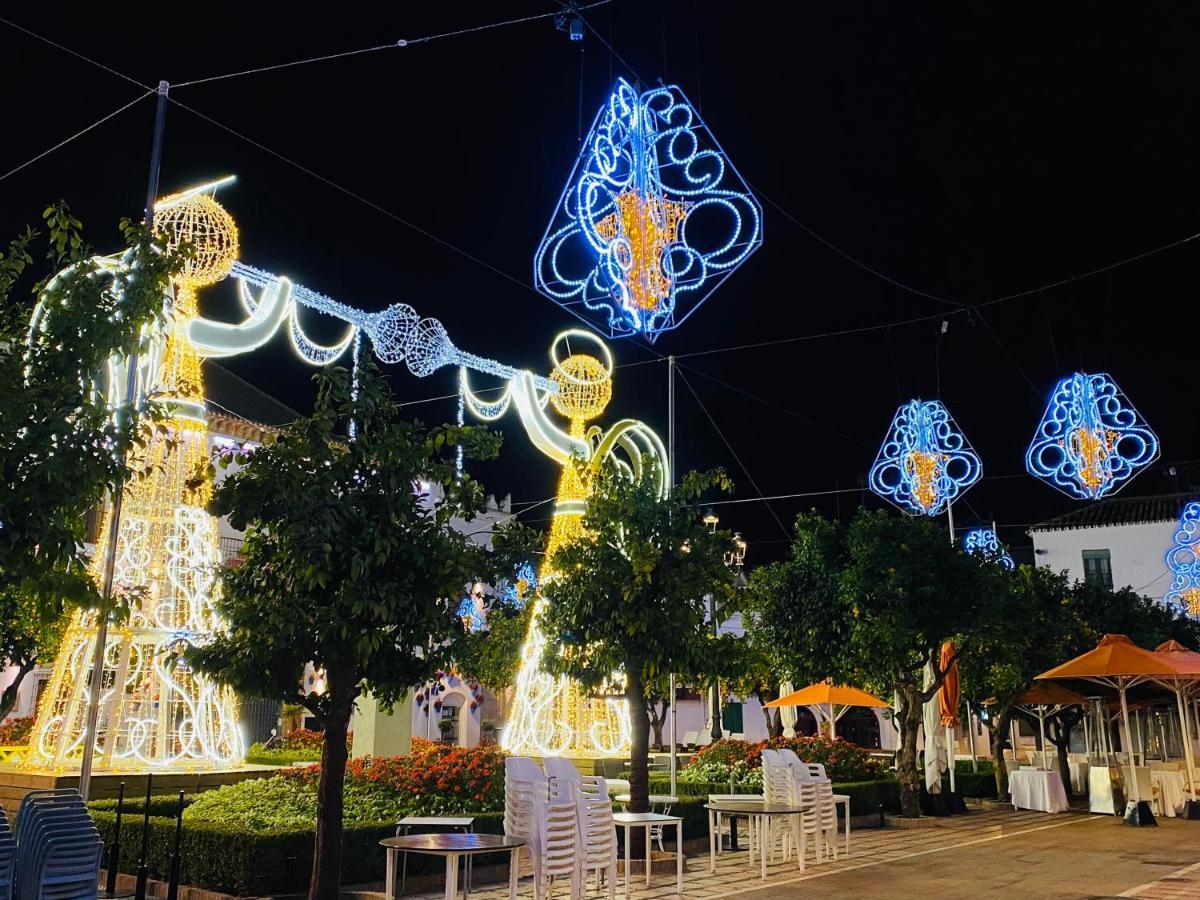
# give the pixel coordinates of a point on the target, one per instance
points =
(970, 154)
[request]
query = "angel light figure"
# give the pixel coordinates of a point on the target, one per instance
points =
(551, 715)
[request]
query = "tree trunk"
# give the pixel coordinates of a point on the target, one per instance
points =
(999, 737)
(327, 851)
(658, 718)
(9, 698)
(639, 772)
(910, 776)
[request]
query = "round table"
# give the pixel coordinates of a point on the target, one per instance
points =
(761, 813)
(453, 846)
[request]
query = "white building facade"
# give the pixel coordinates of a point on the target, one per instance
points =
(1119, 542)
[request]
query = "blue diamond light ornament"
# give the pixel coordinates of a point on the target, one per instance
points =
(653, 218)
(925, 462)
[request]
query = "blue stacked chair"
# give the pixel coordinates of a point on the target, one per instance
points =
(8, 857)
(58, 848)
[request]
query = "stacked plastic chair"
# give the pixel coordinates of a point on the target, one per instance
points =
(597, 833)
(8, 857)
(58, 849)
(824, 820)
(546, 822)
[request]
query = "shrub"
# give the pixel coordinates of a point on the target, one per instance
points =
(842, 760)
(15, 732)
(745, 780)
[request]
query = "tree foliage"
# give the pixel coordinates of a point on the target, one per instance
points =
(630, 597)
(61, 448)
(350, 563)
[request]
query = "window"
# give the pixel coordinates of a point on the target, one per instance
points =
(1097, 568)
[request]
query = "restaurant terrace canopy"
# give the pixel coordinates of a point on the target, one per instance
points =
(1119, 663)
(825, 695)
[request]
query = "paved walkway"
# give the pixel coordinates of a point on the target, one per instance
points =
(993, 853)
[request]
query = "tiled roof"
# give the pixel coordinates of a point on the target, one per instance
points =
(1121, 511)
(227, 393)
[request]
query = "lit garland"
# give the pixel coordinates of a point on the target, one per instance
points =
(652, 219)
(1184, 560)
(1090, 440)
(155, 712)
(925, 462)
(984, 542)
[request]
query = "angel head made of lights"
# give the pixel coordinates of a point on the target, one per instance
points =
(653, 217)
(984, 542)
(1183, 559)
(925, 461)
(1090, 440)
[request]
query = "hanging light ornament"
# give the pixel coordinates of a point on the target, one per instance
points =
(925, 461)
(652, 219)
(1184, 560)
(1090, 440)
(984, 542)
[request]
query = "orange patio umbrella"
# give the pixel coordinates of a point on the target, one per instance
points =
(1043, 695)
(948, 696)
(825, 694)
(1188, 662)
(1119, 663)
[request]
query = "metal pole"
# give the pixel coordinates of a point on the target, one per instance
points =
(114, 527)
(971, 737)
(950, 521)
(1132, 765)
(671, 481)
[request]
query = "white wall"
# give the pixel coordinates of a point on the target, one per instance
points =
(1138, 553)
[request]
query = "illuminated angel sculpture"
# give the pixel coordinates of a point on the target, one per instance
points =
(1090, 440)
(550, 714)
(925, 461)
(1183, 559)
(653, 217)
(154, 712)
(984, 542)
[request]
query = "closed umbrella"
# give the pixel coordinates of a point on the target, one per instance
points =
(787, 714)
(1117, 662)
(948, 696)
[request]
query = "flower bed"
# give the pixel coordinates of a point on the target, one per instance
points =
(15, 732)
(298, 745)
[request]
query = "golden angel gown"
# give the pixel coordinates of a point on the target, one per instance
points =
(155, 713)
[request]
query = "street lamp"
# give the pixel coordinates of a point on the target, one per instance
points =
(735, 559)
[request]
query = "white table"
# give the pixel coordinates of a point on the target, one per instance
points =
(461, 824)
(1169, 791)
(647, 821)
(1037, 789)
(452, 847)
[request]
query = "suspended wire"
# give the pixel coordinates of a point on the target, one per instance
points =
(732, 452)
(403, 42)
(76, 54)
(81, 133)
(773, 405)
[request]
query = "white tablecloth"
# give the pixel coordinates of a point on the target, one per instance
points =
(1037, 790)
(1079, 776)
(1168, 791)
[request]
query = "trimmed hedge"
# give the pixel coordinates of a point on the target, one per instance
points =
(865, 796)
(257, 755)
(227, 858)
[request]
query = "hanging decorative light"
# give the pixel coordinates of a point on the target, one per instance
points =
(925, 461)
(652, 219)
(1090, 440)
(984, 542)
(1183, 559)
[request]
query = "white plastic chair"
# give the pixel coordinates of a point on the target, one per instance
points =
(690, 738)
(597, 839)
(524, 783)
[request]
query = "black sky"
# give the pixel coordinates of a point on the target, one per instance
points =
(971, 153)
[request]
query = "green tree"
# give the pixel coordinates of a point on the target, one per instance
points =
(631, 597)
(347, 566)
(61, 448)
(871, 605)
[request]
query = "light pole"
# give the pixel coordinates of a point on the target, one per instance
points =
(735, 559)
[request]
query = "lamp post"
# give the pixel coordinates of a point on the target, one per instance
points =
(735, 559)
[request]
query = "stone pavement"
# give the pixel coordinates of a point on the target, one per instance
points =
(990, 853)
